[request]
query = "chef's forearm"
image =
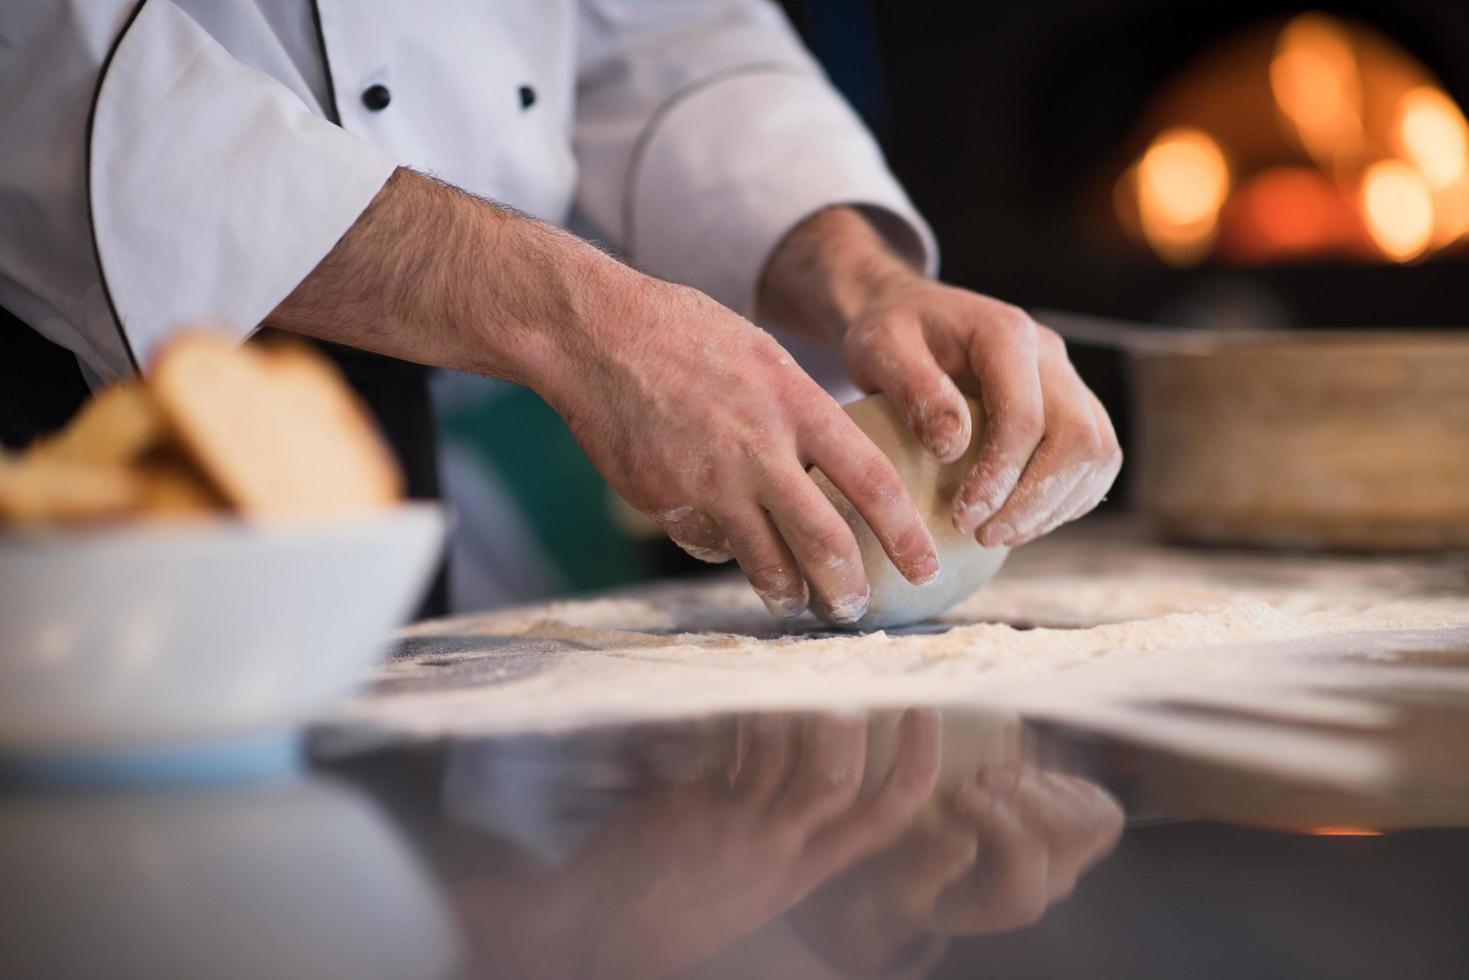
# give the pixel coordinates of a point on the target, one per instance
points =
(825, 271)
(431, 274)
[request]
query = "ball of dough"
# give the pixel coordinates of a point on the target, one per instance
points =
(965, 564)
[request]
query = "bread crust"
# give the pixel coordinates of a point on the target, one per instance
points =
(275, 427)
(262, 431)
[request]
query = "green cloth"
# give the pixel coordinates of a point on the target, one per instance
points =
(563, 499)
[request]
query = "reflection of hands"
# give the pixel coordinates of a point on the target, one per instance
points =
(992, 856)
(672, 880)
(714, 858)
(1003, 849)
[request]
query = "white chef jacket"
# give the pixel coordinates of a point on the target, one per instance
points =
(173, 161)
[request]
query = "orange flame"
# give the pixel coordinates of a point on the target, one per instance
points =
(1317, 84)
(1182, 181)
(1432, 135)
(1384, 172)
(1399, 209)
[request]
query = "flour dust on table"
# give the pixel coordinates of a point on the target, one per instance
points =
(1291, 664)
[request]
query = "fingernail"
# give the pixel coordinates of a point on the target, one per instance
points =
(995, 533)
(968, 519)
(970, 516)
(781, 592)
(918, 716)
(984, 500)
(943, 436)
(848, 609)
(783, 606)
(925, 570)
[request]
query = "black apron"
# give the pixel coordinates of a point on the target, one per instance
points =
(41, 387)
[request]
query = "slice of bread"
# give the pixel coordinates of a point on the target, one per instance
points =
(116, 426)
(276, 429)
(43, 490)
(173, 487)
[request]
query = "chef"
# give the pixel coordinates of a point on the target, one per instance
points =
(395, 178)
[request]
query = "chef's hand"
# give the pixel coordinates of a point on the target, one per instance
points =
(1049, 452)
(990, 857)
(694, 415)
(702, 420)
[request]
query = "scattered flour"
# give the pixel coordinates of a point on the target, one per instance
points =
(1128, 645)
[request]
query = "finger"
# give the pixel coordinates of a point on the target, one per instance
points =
(1010, 884)
(941, 852)
(1004, 362)
(1079, 820)
(875, 823)
(728, 752)
(1107, 820)
(1053, 474)
(823, 544)
(1105, 480)
(828, 776)
(1107, 474)
(1105, 429)
(1089, 490)
(1066, 457)
(870, 483)
(695, 532)
(1082, 500)
(901, 364)
(683, 751)
(773, 571)
(766, 753)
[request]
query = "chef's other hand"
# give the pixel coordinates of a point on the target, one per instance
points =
(694, 415)
(1049, 452)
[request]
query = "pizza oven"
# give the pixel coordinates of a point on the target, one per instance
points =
(1251, 164)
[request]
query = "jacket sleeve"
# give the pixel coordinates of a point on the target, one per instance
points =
(150, 179)
(705, 133)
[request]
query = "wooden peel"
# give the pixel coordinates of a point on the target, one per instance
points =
(1334, 439)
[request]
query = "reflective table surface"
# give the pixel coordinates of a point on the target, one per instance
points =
(918, 843)
(910, 841)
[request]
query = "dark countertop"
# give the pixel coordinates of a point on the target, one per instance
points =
(952, 842)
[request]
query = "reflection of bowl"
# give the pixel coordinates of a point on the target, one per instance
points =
(150, 636)
(300, 878)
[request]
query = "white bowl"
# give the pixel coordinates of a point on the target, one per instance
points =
(153, 636)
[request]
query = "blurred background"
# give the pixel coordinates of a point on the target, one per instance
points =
(1250, 165)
